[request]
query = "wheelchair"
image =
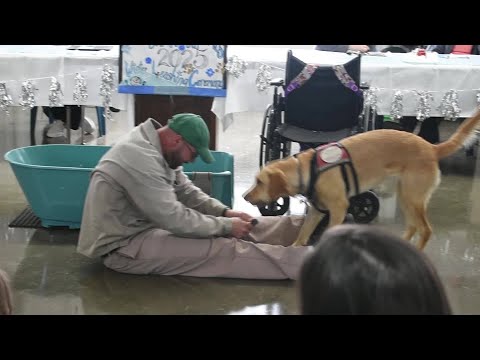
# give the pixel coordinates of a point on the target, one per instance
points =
(323, 109)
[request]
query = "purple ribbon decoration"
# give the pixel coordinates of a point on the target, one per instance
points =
(346, 79)
(301, 78)
(308, 71)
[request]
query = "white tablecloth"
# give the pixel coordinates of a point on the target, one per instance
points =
(40, 62)
(387, 73)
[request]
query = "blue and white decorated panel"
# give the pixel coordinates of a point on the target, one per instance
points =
(173, 70)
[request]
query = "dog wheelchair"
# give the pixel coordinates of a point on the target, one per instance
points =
(319, 105)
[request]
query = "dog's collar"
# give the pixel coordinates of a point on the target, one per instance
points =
(301, 183)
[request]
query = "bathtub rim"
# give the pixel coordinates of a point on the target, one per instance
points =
(48, 167)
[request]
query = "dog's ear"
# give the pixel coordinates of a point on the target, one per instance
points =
(278, 185)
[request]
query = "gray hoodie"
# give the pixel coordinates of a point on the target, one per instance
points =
(133, 189)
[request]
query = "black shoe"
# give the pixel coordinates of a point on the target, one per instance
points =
(112, 109)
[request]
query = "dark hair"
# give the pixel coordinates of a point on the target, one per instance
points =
(362, 269)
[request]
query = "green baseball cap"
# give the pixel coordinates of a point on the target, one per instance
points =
(194, 130)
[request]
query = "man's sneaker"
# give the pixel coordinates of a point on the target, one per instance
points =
(56, 129)
(88, 126)
(52, 140)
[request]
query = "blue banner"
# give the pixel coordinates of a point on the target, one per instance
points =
(197, 70)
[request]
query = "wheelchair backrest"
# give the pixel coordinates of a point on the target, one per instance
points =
(323, 102)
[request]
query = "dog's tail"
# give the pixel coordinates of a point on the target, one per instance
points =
(463, 134)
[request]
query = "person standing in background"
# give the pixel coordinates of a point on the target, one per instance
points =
(455, 49)
(345, 48)
(429, 129)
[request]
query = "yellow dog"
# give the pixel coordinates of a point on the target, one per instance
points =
(374, 156)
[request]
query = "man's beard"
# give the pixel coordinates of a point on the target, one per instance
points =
(173, 160)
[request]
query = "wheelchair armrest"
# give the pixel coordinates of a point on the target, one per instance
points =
(277, 82)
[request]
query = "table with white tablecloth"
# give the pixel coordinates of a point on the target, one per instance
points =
(387, 73)
(41, 63)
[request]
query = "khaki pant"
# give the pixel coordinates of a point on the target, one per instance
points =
(265, 254)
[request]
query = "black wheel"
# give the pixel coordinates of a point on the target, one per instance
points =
(264, 136)
(273, 147)
(275, 208)
(364, 207)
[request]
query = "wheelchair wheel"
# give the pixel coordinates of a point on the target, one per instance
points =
(364, 207)
(278, 207)
(273, 147)
(264, 140)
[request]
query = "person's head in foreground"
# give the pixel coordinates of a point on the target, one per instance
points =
(6, 306)
(362, 269)
(185, 137)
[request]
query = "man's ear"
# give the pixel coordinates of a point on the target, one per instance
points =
(177, 138)
(174, 139)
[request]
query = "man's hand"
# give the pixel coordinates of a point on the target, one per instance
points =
(361, 48)
(233, 213)
(240, 228)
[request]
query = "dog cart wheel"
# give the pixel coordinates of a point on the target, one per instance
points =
(278, 207)
(364, 207)
(272, 147)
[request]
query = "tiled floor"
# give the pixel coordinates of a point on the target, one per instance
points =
(50, 278)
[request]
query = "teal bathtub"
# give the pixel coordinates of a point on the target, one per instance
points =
(54, 179)
(220, 174)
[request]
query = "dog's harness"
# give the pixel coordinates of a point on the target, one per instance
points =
(326, 157)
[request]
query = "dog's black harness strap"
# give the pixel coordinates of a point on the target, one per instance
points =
(315, 173)
(345, 177)
(354, 173)
(300, 176)
(313, 176)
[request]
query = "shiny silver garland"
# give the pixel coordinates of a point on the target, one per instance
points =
(396, 110)
(371, 98)
(80, 93)
(5, 99)
(449, 106)
(478, 97)
(236, 66)
(27, 96)
(107, 86)
(54, 93)
(264, 76)
(424, 106)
